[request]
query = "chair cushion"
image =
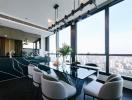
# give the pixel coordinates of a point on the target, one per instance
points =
(49, 77)
(70, 90)
(93, 88)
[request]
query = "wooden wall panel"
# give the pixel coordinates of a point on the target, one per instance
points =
(2, 46)
(7, 45)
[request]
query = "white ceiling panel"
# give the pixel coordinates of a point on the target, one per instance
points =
(38, 11)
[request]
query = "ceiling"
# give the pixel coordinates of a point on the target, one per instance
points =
(17, 34)
(38, 12)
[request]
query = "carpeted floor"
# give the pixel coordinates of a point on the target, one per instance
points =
(22, 89)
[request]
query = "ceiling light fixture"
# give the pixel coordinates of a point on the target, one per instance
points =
(74, 11)
(56, 6)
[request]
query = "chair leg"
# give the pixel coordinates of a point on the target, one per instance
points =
(84, 96)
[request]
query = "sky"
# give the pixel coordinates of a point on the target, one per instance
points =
(91, 31)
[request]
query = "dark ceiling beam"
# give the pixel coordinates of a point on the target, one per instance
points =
(89, 13)
(74, 11)
(22, 22)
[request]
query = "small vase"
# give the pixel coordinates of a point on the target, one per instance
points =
(63, 64)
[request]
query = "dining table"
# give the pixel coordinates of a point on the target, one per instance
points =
(72, 74)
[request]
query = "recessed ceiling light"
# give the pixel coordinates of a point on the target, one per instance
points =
(5, 35)
(82, 1)
(50, 22)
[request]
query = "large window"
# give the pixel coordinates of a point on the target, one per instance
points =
(65, 36)
(90, 34)
(91, 40)
(28, 45)
(121, 28)
(52, 43)
(121, 38)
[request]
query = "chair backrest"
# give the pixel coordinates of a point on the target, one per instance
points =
(37, 73)
(112, 89)
(112, 76)
(51, 88)
(30, 70)
(91, 64)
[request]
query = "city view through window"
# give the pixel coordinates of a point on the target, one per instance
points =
(91, 39)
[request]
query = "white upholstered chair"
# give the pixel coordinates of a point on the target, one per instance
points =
(37, 73)
(53, 89)
(110, 90)
(30, 70)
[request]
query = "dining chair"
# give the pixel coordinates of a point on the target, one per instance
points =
(93, 76)
(110, 90)
(53, 89)
(37, 73)
(91, 64)
(30, 70)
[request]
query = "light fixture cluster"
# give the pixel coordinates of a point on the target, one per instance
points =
(64, 21)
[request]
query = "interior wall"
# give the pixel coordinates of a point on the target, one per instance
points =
(7, 45)
(17, 34)
(11, 45)
(2, 46)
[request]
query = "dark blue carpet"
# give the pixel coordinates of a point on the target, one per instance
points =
(22, 89)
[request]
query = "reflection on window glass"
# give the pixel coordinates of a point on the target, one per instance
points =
(52, 43)
(29, 45)
(91, 35)
(65, 36)
(121, 28)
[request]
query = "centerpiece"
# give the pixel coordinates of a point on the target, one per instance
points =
(64, 51)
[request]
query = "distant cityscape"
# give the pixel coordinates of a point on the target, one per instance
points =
(118, 64)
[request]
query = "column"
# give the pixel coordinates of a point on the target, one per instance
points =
(42, 50)
(74, 41)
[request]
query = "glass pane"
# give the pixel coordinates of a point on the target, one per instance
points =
(121, 65)
(99, 60)
(121, 28)
(38, 45)
(52, 43)
(65, 36)
(29, 45)
(91, 34)
(52, 57)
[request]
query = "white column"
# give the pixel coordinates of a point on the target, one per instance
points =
(42, 50)
(43, 36)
